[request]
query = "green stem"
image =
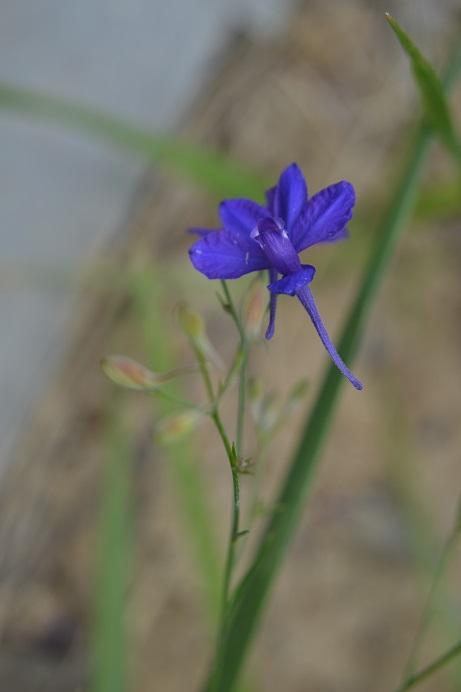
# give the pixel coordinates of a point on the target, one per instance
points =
(234, 534)
(241, 403)
(428, 606)
(203, 366)
(231, 456)
(432, 668)
(223, 435)
(233, 310)
(235, 366)
(234, 455)
(243, 370)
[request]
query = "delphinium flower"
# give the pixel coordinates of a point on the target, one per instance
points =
(255, 237)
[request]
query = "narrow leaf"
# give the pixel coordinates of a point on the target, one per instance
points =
(109, 648)
(202, 165)
(431, 89)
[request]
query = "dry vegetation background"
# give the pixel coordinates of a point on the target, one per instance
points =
(333, 93)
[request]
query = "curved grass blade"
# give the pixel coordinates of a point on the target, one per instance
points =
(431, 89)
(434, 667)
(253, 591)
(206, 167)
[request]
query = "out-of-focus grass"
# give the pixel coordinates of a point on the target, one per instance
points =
(204, 166)
(402, 467)
(109, 637)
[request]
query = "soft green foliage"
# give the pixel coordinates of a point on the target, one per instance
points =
(203, 166)
(431, 89)
(114, 558)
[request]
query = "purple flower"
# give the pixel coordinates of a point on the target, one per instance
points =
(255, 237)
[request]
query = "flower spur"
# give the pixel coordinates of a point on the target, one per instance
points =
(255, 237)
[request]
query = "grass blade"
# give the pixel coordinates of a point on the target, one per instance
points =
(109, 635)
(431, 89)
(253, 591)
(205, 166)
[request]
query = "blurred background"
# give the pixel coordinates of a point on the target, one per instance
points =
(93, 260)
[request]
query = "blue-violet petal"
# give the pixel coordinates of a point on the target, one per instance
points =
(220, 255)
(293, 283)
(290, 196)
(325, 216)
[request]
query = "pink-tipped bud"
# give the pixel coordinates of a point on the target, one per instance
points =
(127, 372)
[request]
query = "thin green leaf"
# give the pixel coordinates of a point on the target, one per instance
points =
(109, 636)
(207, 167)
(434, 667)
(431, 89)
(252, 593)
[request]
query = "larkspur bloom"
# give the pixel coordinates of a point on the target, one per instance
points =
(255, 237)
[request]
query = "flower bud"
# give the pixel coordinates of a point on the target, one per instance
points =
(193, 326)
(127, 372)
(191, 322)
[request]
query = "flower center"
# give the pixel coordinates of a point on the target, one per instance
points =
(272, 238)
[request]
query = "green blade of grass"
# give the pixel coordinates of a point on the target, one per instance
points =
(204, 166)
(109, 650)
(431, 89)
(253, 591)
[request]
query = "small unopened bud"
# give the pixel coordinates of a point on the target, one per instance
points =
(175, 427)
(254, 310)
(191, 322)
(193, 326)
(127, 372)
